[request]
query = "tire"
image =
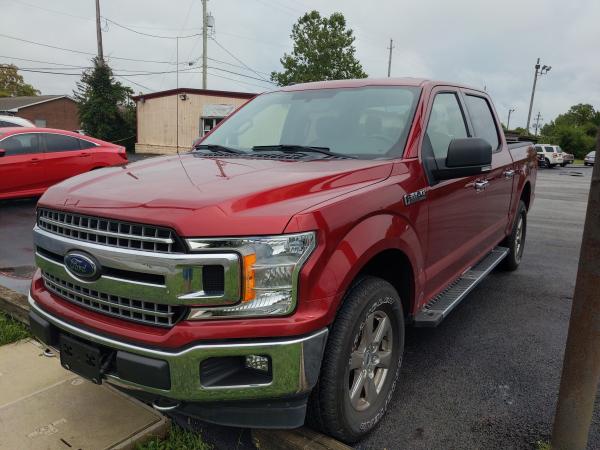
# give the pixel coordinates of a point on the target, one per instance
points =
(563, 164)
(585, 164)
(516, 241)
(370, 302)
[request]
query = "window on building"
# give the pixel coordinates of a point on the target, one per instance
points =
(40, 123)
(208, 123)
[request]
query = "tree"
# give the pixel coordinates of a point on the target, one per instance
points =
(13, 85)
(323, 50)
(574, 130)
(106, 109)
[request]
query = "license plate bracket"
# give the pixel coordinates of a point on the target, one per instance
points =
(82, 358)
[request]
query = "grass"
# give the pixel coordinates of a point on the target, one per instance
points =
(578, 161)
(11, 330)
(178, 439)
(542, 445)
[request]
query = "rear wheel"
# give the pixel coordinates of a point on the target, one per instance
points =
(564, 164)
(516, 241)
(362, 362)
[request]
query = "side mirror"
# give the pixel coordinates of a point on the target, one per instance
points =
(2, 152)
(466, 157)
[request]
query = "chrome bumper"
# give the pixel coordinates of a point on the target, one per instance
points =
(295, 363)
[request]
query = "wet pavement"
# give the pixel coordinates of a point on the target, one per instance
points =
(17, 218)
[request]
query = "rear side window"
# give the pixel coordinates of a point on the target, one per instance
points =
(85, 144)
(446, 122)
(482, 119)
(550, 149)
(21, 144)
(60, 143)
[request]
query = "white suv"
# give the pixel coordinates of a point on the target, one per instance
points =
(552, 154)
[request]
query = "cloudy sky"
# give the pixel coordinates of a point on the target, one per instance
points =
(477, 42)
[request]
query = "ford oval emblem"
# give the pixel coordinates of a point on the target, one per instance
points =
(82, 266)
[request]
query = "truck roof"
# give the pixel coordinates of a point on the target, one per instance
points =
(362, 82)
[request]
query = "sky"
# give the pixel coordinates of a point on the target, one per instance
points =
(480, 43)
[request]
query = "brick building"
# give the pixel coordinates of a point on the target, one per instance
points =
(52, 111)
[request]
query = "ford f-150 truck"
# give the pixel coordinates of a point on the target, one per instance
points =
(272, 270)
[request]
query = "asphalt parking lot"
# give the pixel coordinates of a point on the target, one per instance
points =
(488, 376)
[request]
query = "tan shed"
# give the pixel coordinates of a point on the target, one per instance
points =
(173, 119)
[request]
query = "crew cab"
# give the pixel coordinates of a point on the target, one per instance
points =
(551, 153)
(273, 269)
(32, 159)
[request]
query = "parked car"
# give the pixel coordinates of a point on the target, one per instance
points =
(568, 158)
(274, 267)
(13, 121)
(33, 159)
(551, 153)
(590, 159)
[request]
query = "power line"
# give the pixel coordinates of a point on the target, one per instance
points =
(149, 34)
(82, 52)
(240, 61)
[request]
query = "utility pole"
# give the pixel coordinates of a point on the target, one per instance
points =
(537, 122)
(538, 73)
(581, 366)
(510, 111)
(390, 57)
(99, 33)
(204, 43)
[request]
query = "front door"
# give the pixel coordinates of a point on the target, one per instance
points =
(457, 206)
(21, 167)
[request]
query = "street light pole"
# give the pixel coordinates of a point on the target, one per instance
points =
(510, 111)
(538, 73)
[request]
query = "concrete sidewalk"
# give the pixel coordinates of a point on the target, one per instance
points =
(43, 406)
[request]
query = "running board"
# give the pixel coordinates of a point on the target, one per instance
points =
(442, 304)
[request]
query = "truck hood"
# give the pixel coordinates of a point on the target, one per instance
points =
(205, 196)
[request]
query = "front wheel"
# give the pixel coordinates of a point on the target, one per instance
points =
(361, 362)
(516, 241)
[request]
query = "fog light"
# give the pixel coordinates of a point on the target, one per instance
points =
(257, 362)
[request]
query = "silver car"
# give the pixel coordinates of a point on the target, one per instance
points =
(589, 159)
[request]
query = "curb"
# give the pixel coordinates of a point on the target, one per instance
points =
(14, 304)
(17, 306)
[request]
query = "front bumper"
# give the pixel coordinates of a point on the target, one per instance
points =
(294, 364)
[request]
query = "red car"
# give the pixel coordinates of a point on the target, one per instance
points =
(33, 159)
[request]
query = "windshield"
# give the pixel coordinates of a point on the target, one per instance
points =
(369, 122)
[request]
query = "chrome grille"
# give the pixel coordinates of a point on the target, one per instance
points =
(124, 308)
(114, 233)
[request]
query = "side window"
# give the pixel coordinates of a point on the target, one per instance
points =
(446, 122)
(21, 144)
(60, 143)
(85, 144)
(539, 149)
(482, 119)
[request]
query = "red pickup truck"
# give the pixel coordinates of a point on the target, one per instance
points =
(273, 269)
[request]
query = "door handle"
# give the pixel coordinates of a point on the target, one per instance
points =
(480, 185)
(509, 173)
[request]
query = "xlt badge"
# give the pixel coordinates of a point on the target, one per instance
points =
(414, 197)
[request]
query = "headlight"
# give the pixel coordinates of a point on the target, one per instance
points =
(270, 267)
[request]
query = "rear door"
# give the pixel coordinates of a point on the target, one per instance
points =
(457, 206)
(21, 168)
(64, 157)
(498, 190)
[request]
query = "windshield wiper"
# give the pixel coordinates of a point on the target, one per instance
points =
(217, 148)
(293, 148)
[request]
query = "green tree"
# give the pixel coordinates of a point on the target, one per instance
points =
(574, 130)
(323, 50)
(13, 85)
(106, 109)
